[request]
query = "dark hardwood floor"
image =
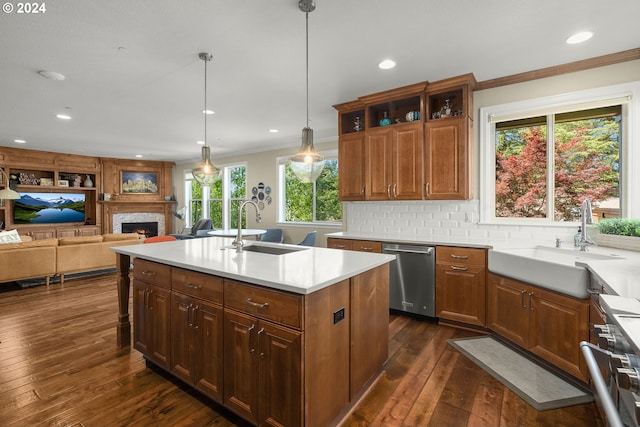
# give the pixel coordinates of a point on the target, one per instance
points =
(60, 366)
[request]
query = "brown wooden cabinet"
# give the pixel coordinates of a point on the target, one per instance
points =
(394, 162)
(546, 323)
(355, 245)
(152, 311)
(461, 284)
(351, 180)
(266, 354)
(448, 138)
(447, 159)
(197, 331)
(263, 359)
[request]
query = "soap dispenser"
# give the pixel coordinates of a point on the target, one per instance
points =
(577, 237)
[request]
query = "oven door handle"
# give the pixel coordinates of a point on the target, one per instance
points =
(613, 417)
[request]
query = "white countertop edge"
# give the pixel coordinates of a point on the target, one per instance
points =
(374, 261)
(417, 240)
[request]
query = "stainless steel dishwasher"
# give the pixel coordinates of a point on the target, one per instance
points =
(412, 278)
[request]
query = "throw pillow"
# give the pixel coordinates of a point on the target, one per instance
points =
(9, 237)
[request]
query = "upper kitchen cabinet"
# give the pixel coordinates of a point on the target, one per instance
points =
(448, 139)
(351, 151)
(381, 145)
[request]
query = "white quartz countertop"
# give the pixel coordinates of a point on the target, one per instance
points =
(415, 240)
(620, 276)
(303, 272)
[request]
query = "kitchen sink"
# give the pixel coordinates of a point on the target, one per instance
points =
(557, 269)
(273, 250)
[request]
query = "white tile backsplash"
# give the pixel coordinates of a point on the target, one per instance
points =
(451, 219)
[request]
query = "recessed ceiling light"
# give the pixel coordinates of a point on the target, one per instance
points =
(63, 116)
(200, 142)
(580, 37)
(138, 156)
(51, 75)
(387, 64)
(208, 111)
(274, 130)
(19, 141)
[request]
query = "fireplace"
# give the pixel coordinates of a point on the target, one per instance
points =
(146, 229)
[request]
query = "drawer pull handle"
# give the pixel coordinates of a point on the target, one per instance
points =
(459, 256)
(339, 247)
(257, 304)
(192, 286)
(455, 267)
(149, 273)
(366, 249)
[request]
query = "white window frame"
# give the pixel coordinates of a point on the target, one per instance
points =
(626, 94)
(280, 163)
(226, 199)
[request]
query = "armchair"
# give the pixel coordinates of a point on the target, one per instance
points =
(199, 229)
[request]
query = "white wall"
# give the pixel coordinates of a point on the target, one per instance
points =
(431, 219)
(261, 167)
(450, 219)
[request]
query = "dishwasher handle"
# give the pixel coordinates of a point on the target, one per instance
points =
(427, 251)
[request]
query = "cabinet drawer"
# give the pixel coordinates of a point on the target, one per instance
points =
(464, 256)
(199, 285)
(280, 307)
(367, 246)
(152, 272)
(339, 243)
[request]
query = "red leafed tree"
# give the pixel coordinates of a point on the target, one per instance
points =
(580, 172)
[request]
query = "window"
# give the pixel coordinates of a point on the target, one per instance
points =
(317, 202)
(222, 200)
(542, 158)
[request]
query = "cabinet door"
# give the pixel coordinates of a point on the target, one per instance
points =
(351, 160)
(151, 329)
(182, 337)
(66, 232)
(460, 293)
(280, 379)
(140, 326)
(241, 364)
(379, 168)
(208, 327)
(88, 231)
(558, 324)
(408, 149)
(158, 312)
(447, 159)
(508, 309)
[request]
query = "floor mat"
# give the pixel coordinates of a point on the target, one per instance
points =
(537, 386)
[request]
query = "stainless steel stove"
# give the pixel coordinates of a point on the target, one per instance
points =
(614, 364)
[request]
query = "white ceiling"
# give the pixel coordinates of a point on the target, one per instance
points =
(147, 99)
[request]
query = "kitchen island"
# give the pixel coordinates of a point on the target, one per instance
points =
(279, 334)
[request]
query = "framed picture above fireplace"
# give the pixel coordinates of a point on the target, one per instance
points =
(138, 182)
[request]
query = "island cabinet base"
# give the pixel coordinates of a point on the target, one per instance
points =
(282, 359)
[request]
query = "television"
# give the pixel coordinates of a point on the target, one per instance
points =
(49, 208)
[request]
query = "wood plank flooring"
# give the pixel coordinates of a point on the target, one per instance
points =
(60, 366)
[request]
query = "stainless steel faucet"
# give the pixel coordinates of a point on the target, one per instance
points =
(587, 218)
(238, 243)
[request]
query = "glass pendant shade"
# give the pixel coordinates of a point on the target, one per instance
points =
(307, 163)
(206, 173)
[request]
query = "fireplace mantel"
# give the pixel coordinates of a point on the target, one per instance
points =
(113, 207)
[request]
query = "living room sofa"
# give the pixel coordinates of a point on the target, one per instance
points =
(49, 257)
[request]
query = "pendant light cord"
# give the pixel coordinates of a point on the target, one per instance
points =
(307, 64)
(205, 102)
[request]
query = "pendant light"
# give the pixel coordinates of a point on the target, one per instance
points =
(206, 173)
(307, 163)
